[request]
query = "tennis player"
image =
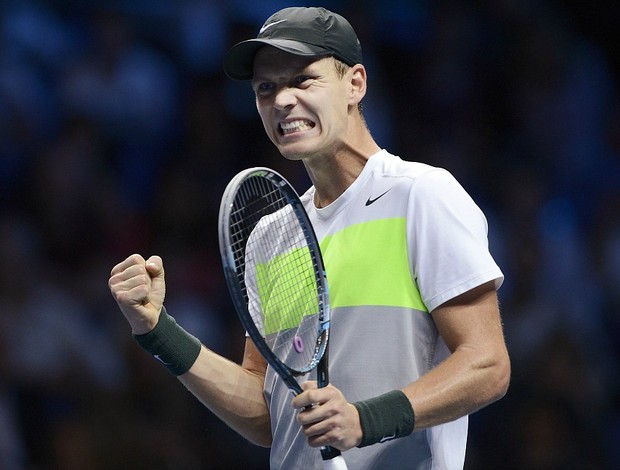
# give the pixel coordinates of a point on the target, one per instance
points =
(416, 343)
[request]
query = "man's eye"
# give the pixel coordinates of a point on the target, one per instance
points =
(264, 88)
(300, 80)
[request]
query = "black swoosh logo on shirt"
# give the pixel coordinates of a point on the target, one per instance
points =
(372, 201)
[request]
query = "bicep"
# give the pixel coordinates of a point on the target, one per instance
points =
(253, 360)
(471, 319)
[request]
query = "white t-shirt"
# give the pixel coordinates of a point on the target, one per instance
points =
(400, 241)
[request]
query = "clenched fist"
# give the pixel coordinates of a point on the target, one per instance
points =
(138, 286)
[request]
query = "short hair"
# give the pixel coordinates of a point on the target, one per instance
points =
(341, 70)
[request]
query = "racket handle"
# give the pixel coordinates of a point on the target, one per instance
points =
(335, 463)
(332, 460)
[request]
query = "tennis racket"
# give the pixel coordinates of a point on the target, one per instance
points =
(274, 271)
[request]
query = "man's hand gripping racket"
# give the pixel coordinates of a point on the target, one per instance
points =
(275, 274)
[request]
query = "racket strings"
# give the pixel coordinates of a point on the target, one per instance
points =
(254, 199)
(268, 237)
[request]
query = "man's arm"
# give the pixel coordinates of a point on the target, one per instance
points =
(473, 376)
(233, 393)
(477, 372)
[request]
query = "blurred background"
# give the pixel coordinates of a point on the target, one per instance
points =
(119, 132)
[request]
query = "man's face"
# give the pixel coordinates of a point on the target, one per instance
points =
(302, 103)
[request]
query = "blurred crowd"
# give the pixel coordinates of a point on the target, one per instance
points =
(119, 131)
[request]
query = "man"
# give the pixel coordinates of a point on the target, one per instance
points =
(417, 342)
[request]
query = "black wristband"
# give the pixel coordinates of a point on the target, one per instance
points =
(385, 417)
(174, 347)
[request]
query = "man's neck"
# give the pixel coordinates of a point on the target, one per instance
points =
(331, 175)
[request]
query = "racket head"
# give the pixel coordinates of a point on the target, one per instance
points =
(274, 271)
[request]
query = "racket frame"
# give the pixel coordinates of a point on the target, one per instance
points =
(332, 458)
(319, 359)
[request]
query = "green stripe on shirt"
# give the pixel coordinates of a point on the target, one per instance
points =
(367, 264)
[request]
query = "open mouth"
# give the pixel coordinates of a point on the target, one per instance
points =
(299, 125)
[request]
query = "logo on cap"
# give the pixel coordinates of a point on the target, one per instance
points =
(267, 26)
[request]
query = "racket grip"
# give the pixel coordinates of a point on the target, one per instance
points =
(335, 463)
(332, 460)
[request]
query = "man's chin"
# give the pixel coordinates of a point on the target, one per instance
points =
(293, 154)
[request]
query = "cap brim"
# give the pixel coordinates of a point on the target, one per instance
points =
(239, 61)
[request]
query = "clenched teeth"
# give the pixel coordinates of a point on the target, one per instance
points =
(295, 126)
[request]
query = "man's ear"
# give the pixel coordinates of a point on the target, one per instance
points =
(357, 90)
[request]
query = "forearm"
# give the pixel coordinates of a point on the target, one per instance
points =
(231, 392)
(461, 385)
(478, 370)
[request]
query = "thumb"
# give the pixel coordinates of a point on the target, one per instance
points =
(309, 385)
(155, 267)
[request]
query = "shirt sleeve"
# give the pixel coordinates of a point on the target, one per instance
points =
(448, 236)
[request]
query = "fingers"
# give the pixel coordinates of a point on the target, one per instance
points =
(315, 407)
(130, 281)
(128, 262)
(138, 287)
(136, 270)
(326, 417)
(310, 400)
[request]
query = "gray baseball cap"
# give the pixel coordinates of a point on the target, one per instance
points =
(311, 32)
